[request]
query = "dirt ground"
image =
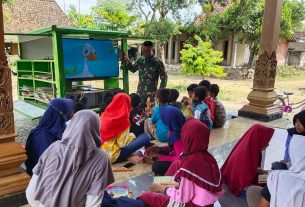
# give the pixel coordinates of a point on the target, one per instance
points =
(233, 93)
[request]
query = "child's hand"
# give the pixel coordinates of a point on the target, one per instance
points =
(185, 100)
(149, 152)
(135, 159)
(157, 188)
(149, 111)
(260, 171)
(171, 185)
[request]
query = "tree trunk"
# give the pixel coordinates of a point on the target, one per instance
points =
(162, 50)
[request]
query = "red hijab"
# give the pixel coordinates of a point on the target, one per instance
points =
(197, 164)
(240, 168)
(115, 119)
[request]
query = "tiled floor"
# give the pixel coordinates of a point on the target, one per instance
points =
(233, 130)
(226, 137)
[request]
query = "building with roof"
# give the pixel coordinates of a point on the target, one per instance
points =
(28, 15)
(296, 50)
(236, 54)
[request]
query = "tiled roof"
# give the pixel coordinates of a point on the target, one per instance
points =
(28, 15)
(297, 46)
(217, 8)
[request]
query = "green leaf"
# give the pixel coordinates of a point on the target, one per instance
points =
(201, 59)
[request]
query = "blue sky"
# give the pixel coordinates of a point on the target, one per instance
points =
(85, 6)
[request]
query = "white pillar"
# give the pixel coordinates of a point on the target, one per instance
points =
(177, 49)
(156, 49)
(139, 50)
(234, 51)
(246, 54)
(170, 51)
(302, 59)
(230, 50)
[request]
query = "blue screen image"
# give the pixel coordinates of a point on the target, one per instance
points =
(85, 58)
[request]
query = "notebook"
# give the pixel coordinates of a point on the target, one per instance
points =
(164, 179)
(117, 191)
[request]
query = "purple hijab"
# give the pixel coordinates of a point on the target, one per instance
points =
(74, 167)
(50, 129)
(174, 119)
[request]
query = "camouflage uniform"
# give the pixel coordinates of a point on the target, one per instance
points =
(150, 69)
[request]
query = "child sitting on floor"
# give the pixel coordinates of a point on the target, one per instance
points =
(137, 115)
(117, 142)
(185, 109)
(298, 129)
(190, 89)
(220, 111)
(49, 130)
(107, 100)
(174, 119)
(72, 171)
(198, 184)
(174, 97)
(285, 188)
(155, 125)
(208, 99)
(246, 156)
(200, 109)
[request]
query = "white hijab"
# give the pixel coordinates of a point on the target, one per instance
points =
(287, 187)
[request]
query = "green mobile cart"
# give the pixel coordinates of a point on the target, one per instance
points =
(41, 72)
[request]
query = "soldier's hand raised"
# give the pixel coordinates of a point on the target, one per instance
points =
(126, 58)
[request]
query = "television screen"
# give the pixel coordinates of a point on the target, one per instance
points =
(90, 59)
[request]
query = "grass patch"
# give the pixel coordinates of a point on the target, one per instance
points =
(181, 88)
(225, 94)
(288, 72)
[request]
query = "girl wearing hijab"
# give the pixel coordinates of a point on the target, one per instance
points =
(285, 188)
(49, 130)
(298, 129)
(73, 171)
(241, 167)
(174, 119)
(199, 185)
(117, 142)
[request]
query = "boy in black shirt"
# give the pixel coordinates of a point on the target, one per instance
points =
(137, 115)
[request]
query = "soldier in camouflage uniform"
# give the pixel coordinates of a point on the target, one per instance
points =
(150, 69)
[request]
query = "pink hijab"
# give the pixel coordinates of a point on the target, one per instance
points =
(74, 167)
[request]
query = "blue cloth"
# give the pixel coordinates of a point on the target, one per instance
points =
(161, 129)
(242, 195)
(108, 201)
(287, 155)
(49, 130)
(174, 119)
(301, 117)
(205, 114)
(279, 166)
(141, 141)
